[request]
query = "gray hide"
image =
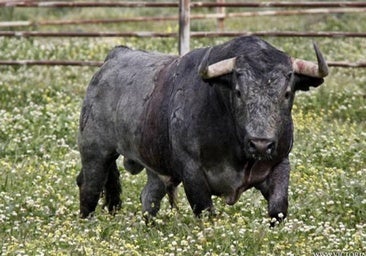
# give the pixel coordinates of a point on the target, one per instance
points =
(218, 135)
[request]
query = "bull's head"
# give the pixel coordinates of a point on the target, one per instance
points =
(262, 85)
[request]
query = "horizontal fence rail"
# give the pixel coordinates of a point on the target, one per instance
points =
(175, 17)
(343, 64)
(85, 34)
(50, 63)
(175, 34)
(137, 4)
(288, 8)
(86, 4)
(279, 34)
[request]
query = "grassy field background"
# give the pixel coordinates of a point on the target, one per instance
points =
(39, 112)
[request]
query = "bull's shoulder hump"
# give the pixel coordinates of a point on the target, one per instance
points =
(124, 53)
(116, 51)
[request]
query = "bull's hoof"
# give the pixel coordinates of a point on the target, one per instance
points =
(276, 220)
(113, 207)
(209, 212)
(86, 215)
(149, 218)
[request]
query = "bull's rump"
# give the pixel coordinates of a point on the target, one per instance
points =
(117, 99)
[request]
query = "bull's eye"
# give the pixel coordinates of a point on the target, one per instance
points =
(238, 93)
(287, 95)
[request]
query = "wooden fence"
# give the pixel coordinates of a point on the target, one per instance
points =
(184, 16)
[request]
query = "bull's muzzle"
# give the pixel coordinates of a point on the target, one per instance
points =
(261, 148)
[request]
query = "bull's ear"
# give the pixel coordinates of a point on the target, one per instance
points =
(303, 83)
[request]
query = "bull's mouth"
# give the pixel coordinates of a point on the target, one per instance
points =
(260, 157)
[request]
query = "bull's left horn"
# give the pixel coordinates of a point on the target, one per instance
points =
(219, 68)
(309, 68)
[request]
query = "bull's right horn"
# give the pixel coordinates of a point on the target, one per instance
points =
(309, 68)
(218, 69)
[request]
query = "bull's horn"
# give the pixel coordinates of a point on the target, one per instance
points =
(309, 68)
(219, 68)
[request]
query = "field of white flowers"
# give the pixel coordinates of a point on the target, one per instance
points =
(39, 161)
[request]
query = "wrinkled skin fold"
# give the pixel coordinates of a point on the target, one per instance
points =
(217, 130)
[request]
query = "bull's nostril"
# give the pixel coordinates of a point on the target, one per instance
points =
(252, 147)
(261, 146)
(270, 148)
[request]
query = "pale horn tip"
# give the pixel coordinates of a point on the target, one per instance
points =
(322, 64)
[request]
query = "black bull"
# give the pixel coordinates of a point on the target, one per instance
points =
(217, 119)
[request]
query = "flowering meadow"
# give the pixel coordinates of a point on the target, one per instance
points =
(39, 161)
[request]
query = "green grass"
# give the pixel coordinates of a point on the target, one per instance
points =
(39, 111)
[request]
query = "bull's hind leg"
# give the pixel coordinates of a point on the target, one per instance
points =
(90, 181)
(152, 193)
(96, 167)
(113, 189)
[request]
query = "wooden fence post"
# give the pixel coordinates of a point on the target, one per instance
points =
(220, 20)
(184, 26)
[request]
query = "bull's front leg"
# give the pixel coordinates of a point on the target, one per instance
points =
(154, 191)
(275, 190)
(197, 190)
(152, 194)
